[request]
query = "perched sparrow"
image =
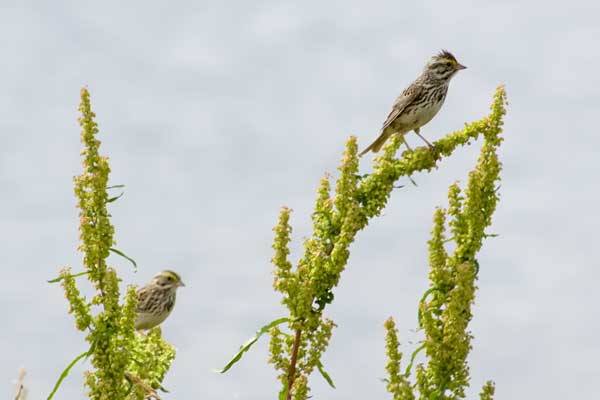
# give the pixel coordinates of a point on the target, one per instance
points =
(421, 101)
(156, 300)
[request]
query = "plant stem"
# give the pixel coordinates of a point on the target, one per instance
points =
(292, 369)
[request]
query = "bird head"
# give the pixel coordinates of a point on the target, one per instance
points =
(443, 66)
(167, 280)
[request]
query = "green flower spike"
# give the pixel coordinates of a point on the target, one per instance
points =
(308, 288)
(124, 364)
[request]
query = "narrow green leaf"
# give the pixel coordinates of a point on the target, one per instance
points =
(450, 239)
(66, 372)
(324, 374)
(60, 278)
(246, 346)
(422, 301)
(115, 198)
(283, 393)
(162, 389)
(92, 348)
(115, 186)
(412, 360)
(125, 256)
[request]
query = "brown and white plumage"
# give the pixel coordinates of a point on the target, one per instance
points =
(157, 299)
(419, 102)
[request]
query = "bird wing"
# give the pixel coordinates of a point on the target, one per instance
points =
(143, 295)
(407, 96)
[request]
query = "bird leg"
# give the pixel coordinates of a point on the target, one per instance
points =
(425, 140)
(406, 143)
(410, 149)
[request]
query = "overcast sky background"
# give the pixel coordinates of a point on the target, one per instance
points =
(215, 114)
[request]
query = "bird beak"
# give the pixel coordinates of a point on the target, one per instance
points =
(180, 284)
(460, 66)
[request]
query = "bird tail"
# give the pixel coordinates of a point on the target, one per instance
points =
(376, 145)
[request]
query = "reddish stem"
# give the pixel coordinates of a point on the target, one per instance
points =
(292, 369)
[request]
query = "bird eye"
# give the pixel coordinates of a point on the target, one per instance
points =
(448, 64)
(170, 278)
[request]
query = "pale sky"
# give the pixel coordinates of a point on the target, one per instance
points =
(215, 114)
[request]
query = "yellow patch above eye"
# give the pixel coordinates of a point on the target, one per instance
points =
(172, 275)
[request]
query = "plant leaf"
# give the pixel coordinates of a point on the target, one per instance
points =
(422, 301)
(115, 198)
(125, 256)
(66, 372)
(283, 392)
(162, 389)
(324, 374)
(412, 359)
(246, 346)
(60, 278)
